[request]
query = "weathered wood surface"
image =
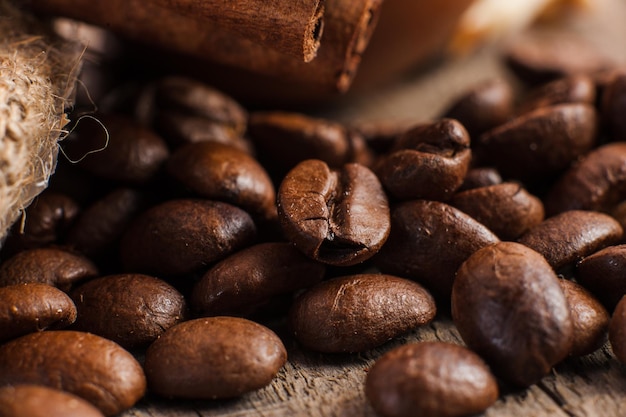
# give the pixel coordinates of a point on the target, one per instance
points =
(316, 385)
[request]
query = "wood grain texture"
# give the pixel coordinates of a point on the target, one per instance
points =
(314, 384)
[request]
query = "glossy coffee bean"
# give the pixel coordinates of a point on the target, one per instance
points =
(182, 236)
(596, 182)
(509, 308)
(118, 150)
(46, 222)
(507, 209)
(130, 309)
(613, 106)
(589, 317)
(100, 226)
(91, 367)
(542, 142)
(195, 98)
(220, 172)
(483, 107)
(284, 139)
(429, 161)
(480, 177)
(339, 217)
(568, 237)
(52, 266)
(428, 242)
(216, 357)
(359, 312)
(578, 88)
(602, 273)
(432, 379)
(617, 331)
(252, 276)
(33, 307)
(40, 401)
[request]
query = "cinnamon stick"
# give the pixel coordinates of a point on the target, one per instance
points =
(292, 27)
(348, 27)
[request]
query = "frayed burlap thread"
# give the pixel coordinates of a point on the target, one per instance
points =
(37, 79)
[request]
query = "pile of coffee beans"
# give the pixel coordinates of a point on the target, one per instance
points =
(182, 230)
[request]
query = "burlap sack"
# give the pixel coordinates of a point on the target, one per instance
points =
(37, 78)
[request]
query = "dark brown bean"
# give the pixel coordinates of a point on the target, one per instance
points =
(181, 236)
(578, 88)
(602, 273)
(130, 309)
(428, 242)
(252, 276)
(452, 381)
(537, 57)
(359, 312)
(339, 217)
(46, 221)
(102, 224)
(542, 142)
(589, 317)
(507, 209)
(51, 266)
(617, 331)
(221, 172)
(486, 105)
(40, 401)
(597, 182)
(509, 308)
(86, 365)
(568, 237)
(285, 139)
(196, 98)
(480, 177)
(33, 307)
(613, 106)
(429, 161)
(122, 150)
(216, 357)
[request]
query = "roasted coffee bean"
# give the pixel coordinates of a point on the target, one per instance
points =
(540, 143)
(432, 379)
(596, 182)
(46, 221)
(602, 273)
(86, 365)
(480, 177)
(568, 237)
(179, 128)
(429, 240)
(284, 139)
(429, 161)
(339, 217)
(509, 308)
(538, 58)
(40, 401)
(577, 88)
(194, 98)
(359, 312)
(220, 172)
(617, 331)
(483, 107)
(118, 150)
(33, 307)
(507, 209)
(253, 276)
(216, 357)
(51, 266)
(613, 106)
(589, 317)
(102, 224)
(130, 309)
(180, 236)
